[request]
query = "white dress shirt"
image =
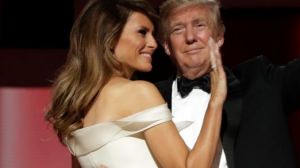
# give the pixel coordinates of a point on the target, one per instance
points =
(193, 108)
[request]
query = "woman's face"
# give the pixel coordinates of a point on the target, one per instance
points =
(136, 44)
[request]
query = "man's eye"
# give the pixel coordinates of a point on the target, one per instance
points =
(201, 25)
(177, 30)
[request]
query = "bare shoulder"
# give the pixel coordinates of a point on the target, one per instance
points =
(122, 97)
(141, 95)
(145, 89)
(129, 88)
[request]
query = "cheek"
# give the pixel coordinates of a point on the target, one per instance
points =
(177, 40)
(176, 51)
(204, 35)
(126, 50)
(121, 46)
(136, 45)
(139, 45)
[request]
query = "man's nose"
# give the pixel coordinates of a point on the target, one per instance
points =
(190, 35)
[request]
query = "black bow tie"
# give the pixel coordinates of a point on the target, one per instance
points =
(185, 86)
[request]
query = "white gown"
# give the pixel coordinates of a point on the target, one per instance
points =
(120, 143)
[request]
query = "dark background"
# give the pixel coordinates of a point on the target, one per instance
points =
(34, 38)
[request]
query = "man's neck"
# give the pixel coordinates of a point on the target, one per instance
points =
(193, 74)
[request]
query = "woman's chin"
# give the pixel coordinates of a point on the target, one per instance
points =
(146, 69)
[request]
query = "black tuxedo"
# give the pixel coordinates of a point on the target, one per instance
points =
(254, 127)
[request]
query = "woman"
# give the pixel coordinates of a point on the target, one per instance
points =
(108, 120)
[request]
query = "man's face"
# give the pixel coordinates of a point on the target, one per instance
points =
(190, 28)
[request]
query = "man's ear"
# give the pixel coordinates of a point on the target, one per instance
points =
(167, 48)
(220, 41)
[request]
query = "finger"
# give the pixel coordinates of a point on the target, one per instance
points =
(212, 53)
(218, 59)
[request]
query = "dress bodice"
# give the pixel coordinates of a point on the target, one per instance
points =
(118, 143)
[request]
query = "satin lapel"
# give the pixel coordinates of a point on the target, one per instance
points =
(231, 116)
(165, 88)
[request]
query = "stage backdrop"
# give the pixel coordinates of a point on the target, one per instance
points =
(27, 141)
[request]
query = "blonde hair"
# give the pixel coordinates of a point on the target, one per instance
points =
(90, 62)
(170, 5)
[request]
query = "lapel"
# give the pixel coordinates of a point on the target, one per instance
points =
(165, 88)
(231, 116)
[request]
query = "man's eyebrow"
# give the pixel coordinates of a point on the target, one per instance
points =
(176, 24)
(198, 20)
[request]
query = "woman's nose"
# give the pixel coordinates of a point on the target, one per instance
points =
(151, 42)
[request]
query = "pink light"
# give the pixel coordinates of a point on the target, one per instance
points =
(27, 141)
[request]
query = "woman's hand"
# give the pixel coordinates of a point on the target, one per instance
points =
(217, 74)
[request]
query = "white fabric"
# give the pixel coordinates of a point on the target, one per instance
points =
(192, 108)
(119, 144)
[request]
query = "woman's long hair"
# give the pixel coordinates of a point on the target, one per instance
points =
(90, 62)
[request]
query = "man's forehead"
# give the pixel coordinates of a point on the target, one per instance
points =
(189, 13)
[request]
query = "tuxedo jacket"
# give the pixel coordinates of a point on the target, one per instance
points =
(254, 130)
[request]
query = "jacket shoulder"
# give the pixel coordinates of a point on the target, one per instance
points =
(254, 62)
(257, 66)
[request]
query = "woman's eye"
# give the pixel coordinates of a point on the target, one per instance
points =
(142, 32)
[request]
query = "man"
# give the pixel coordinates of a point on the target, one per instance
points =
(254, 126)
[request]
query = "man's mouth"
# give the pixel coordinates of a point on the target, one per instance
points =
(193, 51)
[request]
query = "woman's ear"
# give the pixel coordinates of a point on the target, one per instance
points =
(112, 45)
(112, 48)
